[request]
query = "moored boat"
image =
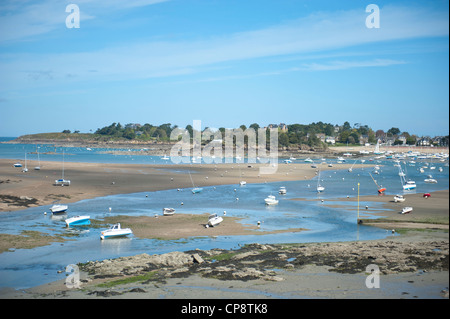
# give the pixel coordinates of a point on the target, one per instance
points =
(115, 231)
(409, 185)
(78, 221)
(58, 208)
(399, 198)
(271, 200)
(168, 211)
(282, 190)
(407, 210)
(214, 220)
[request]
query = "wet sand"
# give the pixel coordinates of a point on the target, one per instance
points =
(185, 225)
(90, 180)
(411, 266)
(428, 213)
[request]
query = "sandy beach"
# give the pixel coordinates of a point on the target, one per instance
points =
(428, 212)
(90, 180)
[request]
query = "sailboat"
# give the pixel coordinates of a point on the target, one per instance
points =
(62, 181)
(377, 149)
(195, 190)
(37, 168)
(242, 182)
(381, 190)
(320, 188)
(351, 168)
(25, 169)
(407, 185)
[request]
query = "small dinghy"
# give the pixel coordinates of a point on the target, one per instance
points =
(407, 210)
(271, 200)
(115, 231)
(399, 198)
(168, 211)
(282, 190)
(78, 221)
(58, 208)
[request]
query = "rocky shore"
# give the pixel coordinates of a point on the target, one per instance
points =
(411, 266)
(256, 261)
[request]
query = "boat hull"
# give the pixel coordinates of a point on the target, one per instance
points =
(215, 221)
(122, 233)
(78, 221)
(59, 209)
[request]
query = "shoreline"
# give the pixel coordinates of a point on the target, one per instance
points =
(91, 180)
(412, 266)
(249, 278)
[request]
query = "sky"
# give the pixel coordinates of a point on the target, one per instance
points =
(223, 62)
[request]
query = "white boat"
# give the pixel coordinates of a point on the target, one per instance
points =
(18, 164)
(430, 180)
(78, 221)
(399, 198)
(271, 200)
(25, 169)
(115, 231)
(320, 188)
(377, 148)
(409, 185)
(282, 190)
(287, 161)
(58, 208)
(168, 211)
(308, 160)
(38, 167)
(165, 158)
(242, 183)
(407, 210)
(214, 220)
(347, 154)
(62, 181)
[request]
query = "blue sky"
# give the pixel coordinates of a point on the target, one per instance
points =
(224, 62)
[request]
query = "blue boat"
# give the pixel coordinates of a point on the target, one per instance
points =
(78, 221)
(196, 190)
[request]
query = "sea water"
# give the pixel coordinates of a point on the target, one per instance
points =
(328, 217)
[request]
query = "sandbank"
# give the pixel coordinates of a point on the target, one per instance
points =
(90, 180)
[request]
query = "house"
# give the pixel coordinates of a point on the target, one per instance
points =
(330, 140)
(321, 136)
(364, 139)
(424, 141)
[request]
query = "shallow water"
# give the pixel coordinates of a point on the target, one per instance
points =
(327, 221)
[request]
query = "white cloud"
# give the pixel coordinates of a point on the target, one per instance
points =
(25, 20)
(317, 33)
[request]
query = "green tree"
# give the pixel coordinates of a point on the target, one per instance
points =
(283, 139)
(394, 131)
(129, 133)
(346, 126)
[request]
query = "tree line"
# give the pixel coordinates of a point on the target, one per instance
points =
(311, 134)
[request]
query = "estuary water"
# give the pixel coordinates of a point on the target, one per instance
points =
(23, 268)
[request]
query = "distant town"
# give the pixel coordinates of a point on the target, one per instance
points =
(314, 136)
